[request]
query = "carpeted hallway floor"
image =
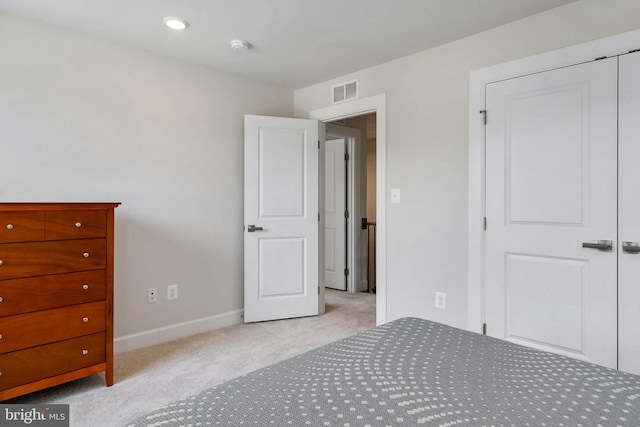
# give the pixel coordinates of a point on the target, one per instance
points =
(151, 377)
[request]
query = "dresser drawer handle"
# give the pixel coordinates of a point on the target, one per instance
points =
(9, 226)
(85, 352)
(1, 299)
(86, 254)
(0, 336)
(85, 319)
(85, 286)
(0, 262)
(78, 224)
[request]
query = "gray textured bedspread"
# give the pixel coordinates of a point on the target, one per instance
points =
(413, 372)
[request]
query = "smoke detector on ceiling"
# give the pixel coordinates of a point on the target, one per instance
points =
(238, 44)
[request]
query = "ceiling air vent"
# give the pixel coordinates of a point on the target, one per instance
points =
(345, 91)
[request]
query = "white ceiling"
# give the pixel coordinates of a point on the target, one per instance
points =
(296, 43)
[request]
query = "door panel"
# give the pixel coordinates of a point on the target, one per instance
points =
(533, 281)
(274, 280)
(281, 239)
(536, 155)
(551, 185)
(282, 189)
(335, 207)
(629, 206)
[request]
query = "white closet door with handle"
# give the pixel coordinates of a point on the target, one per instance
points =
(551, 190)
(629, 215)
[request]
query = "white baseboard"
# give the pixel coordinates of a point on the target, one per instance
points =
(174, 332)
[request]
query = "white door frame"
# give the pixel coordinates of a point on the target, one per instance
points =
(478, 79)
(373, 104)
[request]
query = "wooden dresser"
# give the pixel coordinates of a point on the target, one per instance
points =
(56, 294)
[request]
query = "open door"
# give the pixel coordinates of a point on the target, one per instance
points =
(335, 213)
(283, 246)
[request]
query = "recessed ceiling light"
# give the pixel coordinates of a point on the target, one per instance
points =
(238, 44)
(175, 23)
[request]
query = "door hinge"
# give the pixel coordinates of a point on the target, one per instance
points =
(484, 116)
(346, 271)
(318, 290)
(318, 217)
(484, 329)
(346, 156)
(485, 223)
(346, 214)
(318, 144)
(600, 58)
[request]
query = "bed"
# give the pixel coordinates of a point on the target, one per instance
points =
(415, 372)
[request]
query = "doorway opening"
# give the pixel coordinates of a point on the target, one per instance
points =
(350, 204)
(363, 106)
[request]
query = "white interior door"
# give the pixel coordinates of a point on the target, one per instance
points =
(335, 207)
(551, 186)
(282, 243)
(629, 220)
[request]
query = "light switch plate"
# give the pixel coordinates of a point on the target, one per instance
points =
(395, 195)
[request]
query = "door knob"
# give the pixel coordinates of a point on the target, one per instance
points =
(602, 245)
(252, 228)
(631, 247)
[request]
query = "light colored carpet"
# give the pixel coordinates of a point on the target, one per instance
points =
(151, 377)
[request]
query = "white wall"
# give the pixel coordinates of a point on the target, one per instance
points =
(84, 119)
(427, 144)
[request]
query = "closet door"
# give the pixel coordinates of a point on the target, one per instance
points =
(629, 215)
(551, 160)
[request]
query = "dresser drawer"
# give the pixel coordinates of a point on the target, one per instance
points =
(42, 258)
(41, 293)
(21, 226)
(32, 329)
(62, 225)
(34, 364)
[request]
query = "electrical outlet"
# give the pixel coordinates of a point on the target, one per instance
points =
(441, 300)
(172, 292)
(152, 295)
